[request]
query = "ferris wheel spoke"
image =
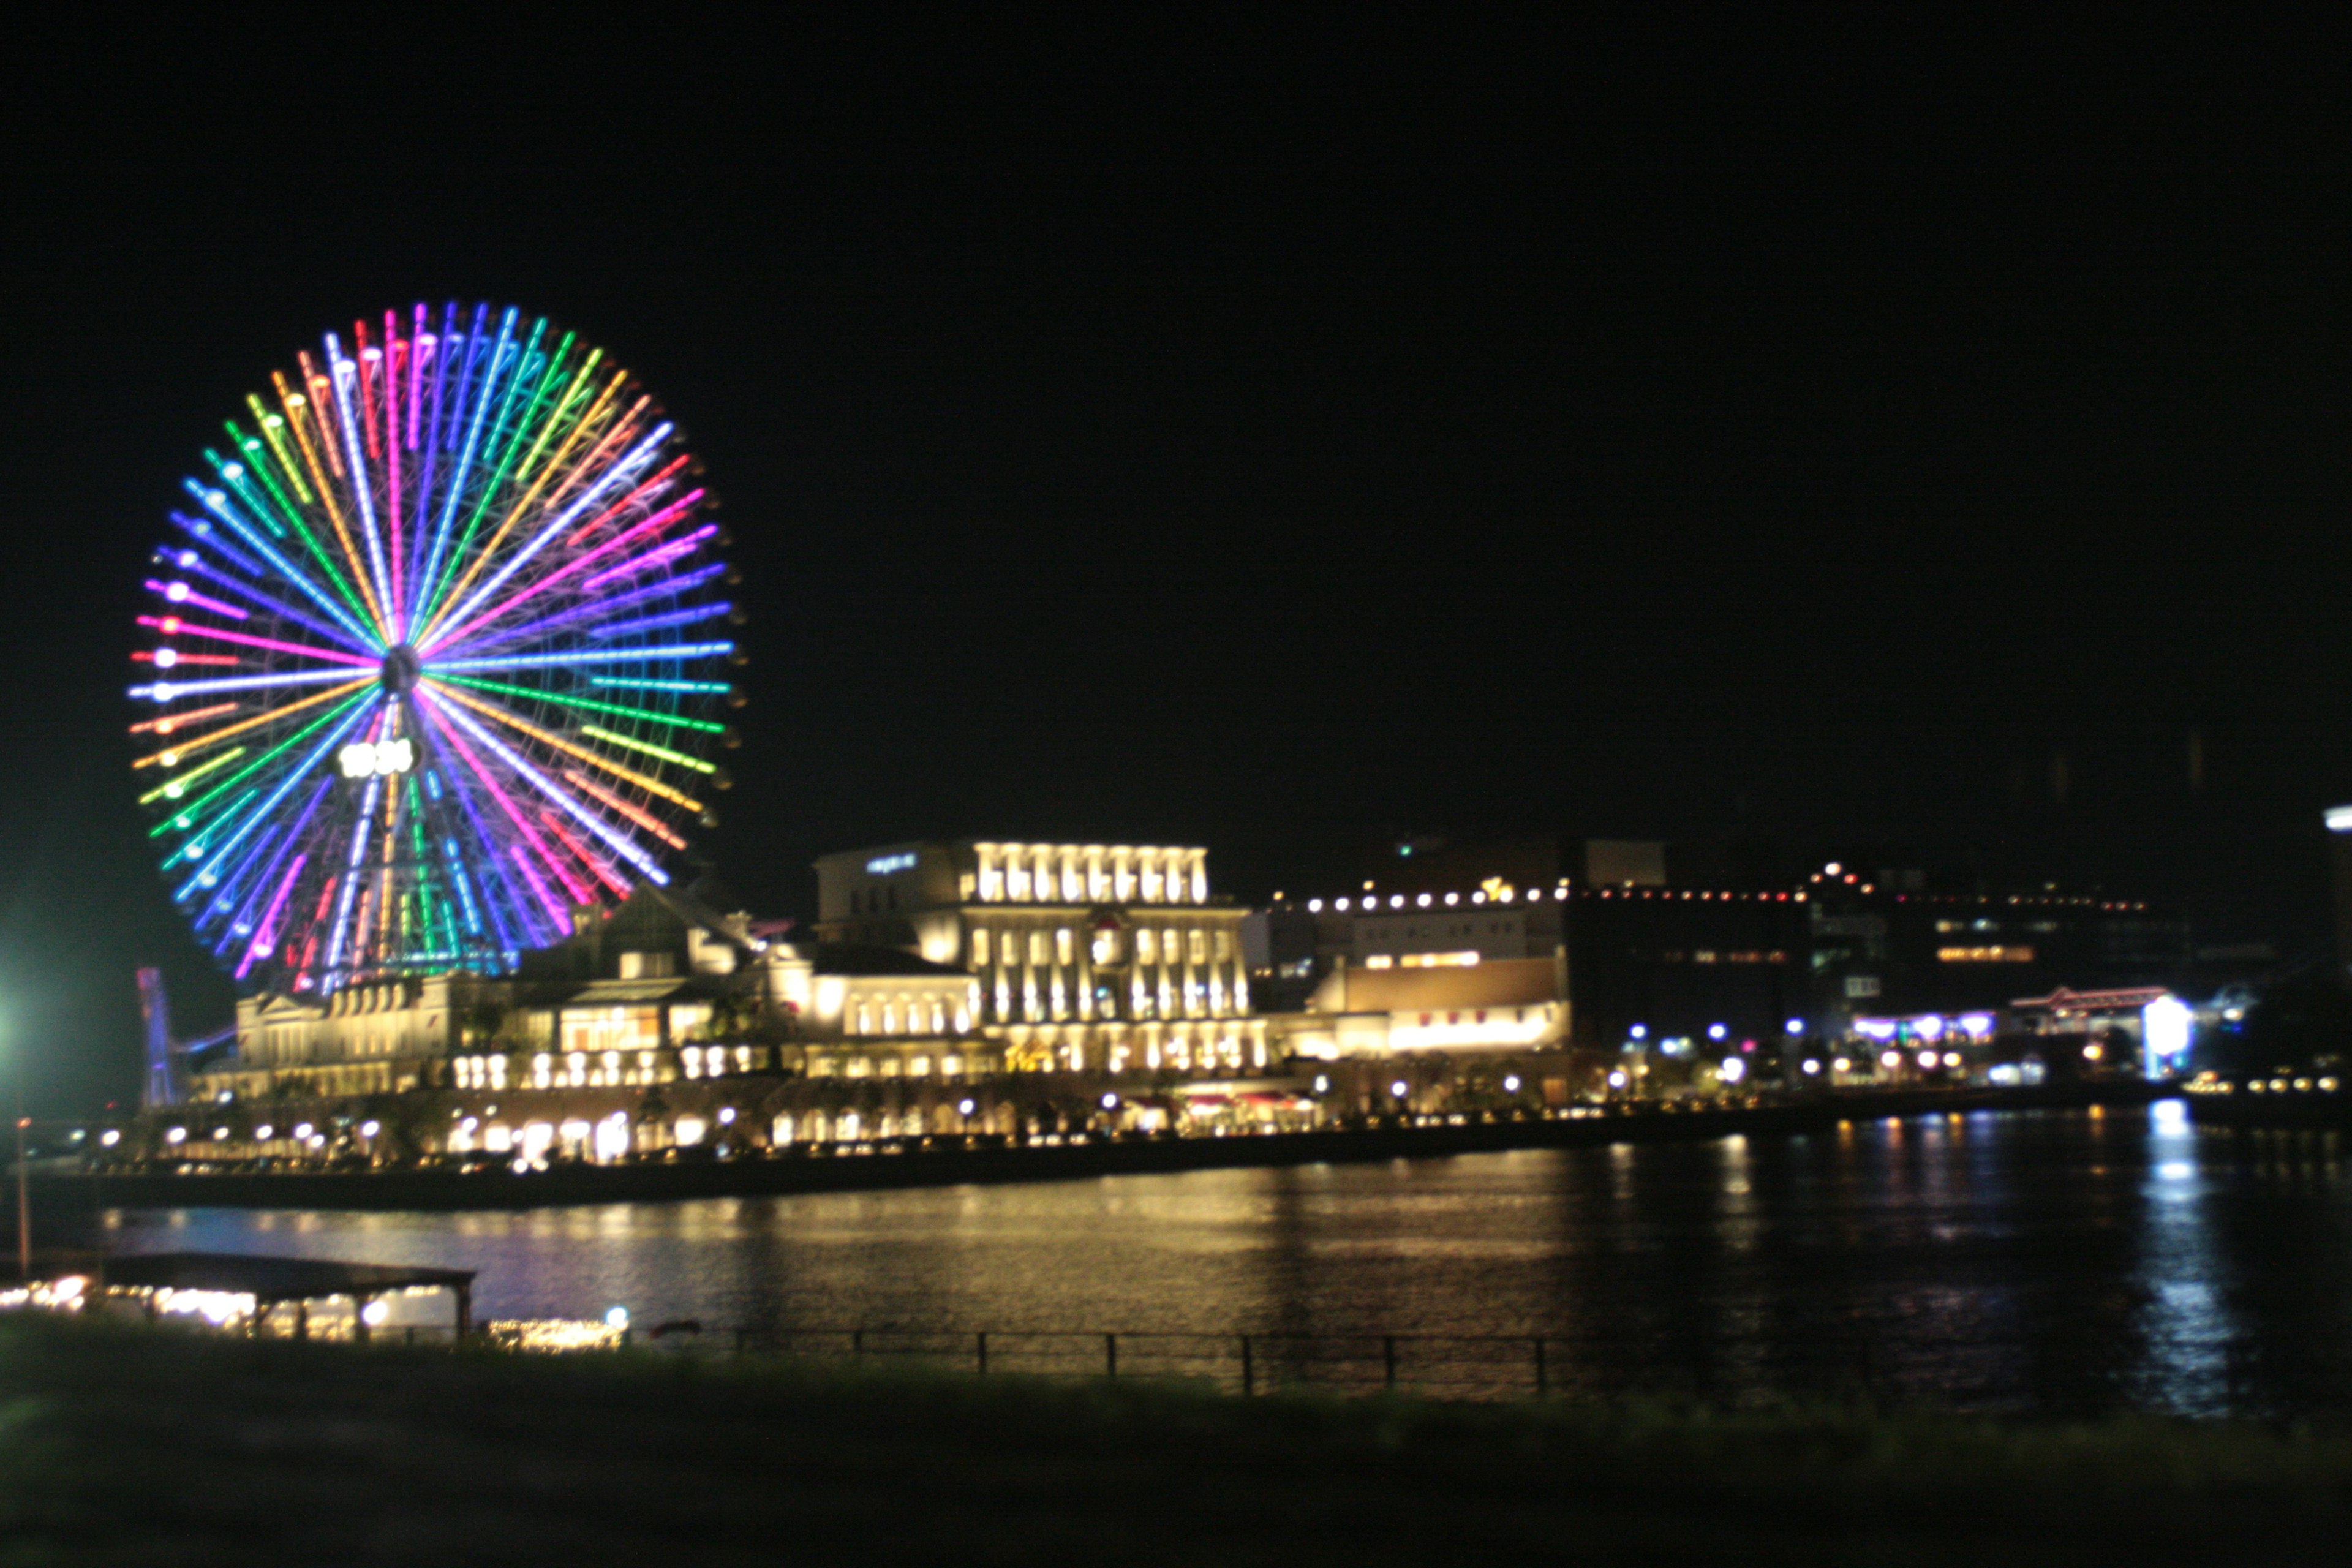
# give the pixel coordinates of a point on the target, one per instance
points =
(216, 501)
(577, 570)
(172, 690)
(500, 637)
(289, 845)
(593, 757)
(528, 835)
(174, 626)
(471, 417)
(191, 816)
(585, 704)
(281, 517)
(344, 374)
(170, 755)
(621, 473)
(613, 837)
(313, 408)
(251, 810)
(499, 449)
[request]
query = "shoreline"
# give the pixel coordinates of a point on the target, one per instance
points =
(445, 1191)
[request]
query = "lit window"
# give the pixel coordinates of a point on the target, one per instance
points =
(978, 948)
(1147, 947)
(1065, 943)
(1037, 949)
(1379, 961)
(1225, 940)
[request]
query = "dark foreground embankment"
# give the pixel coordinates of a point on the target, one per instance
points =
(122, 1445)
(635, 1182)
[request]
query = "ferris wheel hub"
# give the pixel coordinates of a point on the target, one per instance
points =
(400, 668)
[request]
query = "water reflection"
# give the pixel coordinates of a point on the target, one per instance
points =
(2043, 1261)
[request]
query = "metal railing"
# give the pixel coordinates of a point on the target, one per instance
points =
(1955, 1372)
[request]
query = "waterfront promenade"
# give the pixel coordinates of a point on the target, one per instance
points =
(845, 1167)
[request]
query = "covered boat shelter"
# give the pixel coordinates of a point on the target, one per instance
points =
(272, 1283)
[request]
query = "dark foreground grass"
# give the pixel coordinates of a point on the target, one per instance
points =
(127, 1446)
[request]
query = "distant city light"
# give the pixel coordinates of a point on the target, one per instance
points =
(369, 1129)
(617, 1320)
(965, 1108)
(1511, 1083)
(1795, 1026)
(1843, 1064)
(1732, 1069)
(1928, 1059)
(1811, 1066)
(1716, 1031)
(1639, 1032)
(1890, 1060)
(1617, 1079)
(1399, 1089)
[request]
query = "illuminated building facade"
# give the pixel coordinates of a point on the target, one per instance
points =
(1085, 957)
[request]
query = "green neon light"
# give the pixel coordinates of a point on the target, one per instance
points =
(497, 475)
(588, 704)
(649, 748)
(270, 424)
(293, 515)
(187, 815)
(174, 788)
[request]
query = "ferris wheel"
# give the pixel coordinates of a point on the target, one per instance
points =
(437, 654)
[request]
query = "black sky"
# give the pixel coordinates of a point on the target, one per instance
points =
(1274, 438)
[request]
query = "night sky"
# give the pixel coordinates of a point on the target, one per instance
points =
(1277, 441)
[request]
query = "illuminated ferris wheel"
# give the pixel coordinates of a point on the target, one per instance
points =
(437, 655)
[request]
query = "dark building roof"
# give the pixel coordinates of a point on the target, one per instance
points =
(860, 958)
(273, 1278)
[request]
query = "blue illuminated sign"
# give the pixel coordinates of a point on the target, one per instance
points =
(883, 865)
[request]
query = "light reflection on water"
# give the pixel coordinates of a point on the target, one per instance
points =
(2041, 1260)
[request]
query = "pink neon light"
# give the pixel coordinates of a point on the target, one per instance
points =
(651, 823)
(594, 463)
(514, 814)
(394, 350)
(188, 595)
(659, 481)
(172, 626)
(652, 558)
(659, 520)
(262, 934)
(367, 393)
(596, 868)
(425, 343)
(538, 883)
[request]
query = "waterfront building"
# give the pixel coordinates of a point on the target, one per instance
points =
(1087, 958)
